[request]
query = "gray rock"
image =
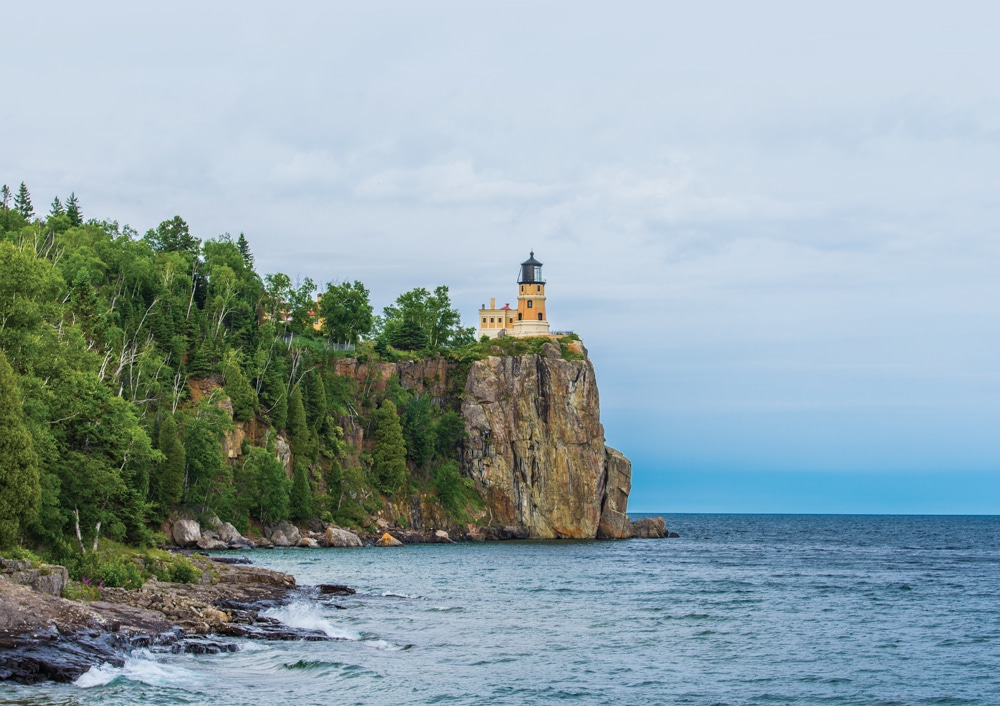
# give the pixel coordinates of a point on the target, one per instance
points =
(336, 537)
(284, 535)
(229, 534)
(185, 533)
(552, 351)
(307, 543)
(209, 544)
(48, 578)
(442, 537)
(614, 522)
(284, 453)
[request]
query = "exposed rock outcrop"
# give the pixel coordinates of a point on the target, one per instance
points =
(283, 535)
(536, 448)
(614, 522)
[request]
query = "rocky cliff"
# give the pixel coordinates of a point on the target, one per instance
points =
(536, 448)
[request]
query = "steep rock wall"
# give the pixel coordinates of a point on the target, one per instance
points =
(536, 448)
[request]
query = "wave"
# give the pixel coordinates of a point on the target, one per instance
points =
(309, 616)
(140, 666)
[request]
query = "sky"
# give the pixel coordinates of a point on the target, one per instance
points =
(776, 226)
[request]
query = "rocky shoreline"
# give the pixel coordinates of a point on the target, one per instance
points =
(46, 637)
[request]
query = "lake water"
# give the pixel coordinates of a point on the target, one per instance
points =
(742, 609)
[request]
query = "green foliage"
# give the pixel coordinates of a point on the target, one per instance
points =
(111, 571)
(172, 236)
(453, 490)
(419, 431)
(300, 498)
(22, 203)
(169, 482)
(421, 320)
(298, 429)
(20, 490)
(389, 456)
(347, 312)
(240, 392)
(262, 487)
(73, 213)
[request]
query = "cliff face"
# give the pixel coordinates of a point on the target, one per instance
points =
(536, 448)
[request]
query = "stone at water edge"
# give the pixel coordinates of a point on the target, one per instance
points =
(336, 537)
(284, 535)
(307, 543)
(442, 537)
(336, 589)
(185, 533)
(229, 534)
(387, 540)
(209, 544)
(649, 528)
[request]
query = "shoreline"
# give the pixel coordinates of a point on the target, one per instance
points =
(49, 638)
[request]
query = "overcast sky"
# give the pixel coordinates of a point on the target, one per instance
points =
(776, 227)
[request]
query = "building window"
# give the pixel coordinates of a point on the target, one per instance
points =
(484, 319)
(539, 288)
(512, 319)
(539, 317)
(530, 303)
(519, 317)
(491, 319)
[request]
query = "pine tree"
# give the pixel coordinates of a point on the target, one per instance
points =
(240, 391)
(73, 210)
(170, 475)
(301, 495)
(5, 196)
(22, 203)
(244, 247)
(56, 209)
(20, 489)
(389, 456)
(298, 430)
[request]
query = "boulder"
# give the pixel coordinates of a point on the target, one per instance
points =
(47, 578)
(229, 534)
(336, 589)
(284, 535)
(336, 537)
(185, 533)
(307, 543)
(387, 540)
(209, 544)
(441, 537)
(649, 528)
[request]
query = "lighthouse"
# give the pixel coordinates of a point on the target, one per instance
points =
(529, 318)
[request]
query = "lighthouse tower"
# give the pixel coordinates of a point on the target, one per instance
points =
(531, 318)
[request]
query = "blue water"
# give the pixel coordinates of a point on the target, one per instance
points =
(742, 609)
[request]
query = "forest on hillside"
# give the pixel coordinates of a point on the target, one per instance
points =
(103, 332)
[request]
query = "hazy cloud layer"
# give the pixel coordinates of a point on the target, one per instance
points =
(775, 226)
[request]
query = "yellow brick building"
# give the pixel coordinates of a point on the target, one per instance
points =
(529, 317)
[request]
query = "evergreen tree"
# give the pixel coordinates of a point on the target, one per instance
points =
(389, 456)
(244, 247)
(298, 430)
(73, 210)
(22, 203)
(240, 391)
(315, 402)
(301, 496)
(56, 209)
(5, 196)
(20, 490)
(170, 474)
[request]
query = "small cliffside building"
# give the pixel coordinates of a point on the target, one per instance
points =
(529, 318)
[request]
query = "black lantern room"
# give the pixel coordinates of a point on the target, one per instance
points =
(531, 271)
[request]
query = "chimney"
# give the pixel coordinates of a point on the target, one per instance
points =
(493, 302)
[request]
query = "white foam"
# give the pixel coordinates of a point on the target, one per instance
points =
(389, 594)
(141, 666)
(309, 616)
